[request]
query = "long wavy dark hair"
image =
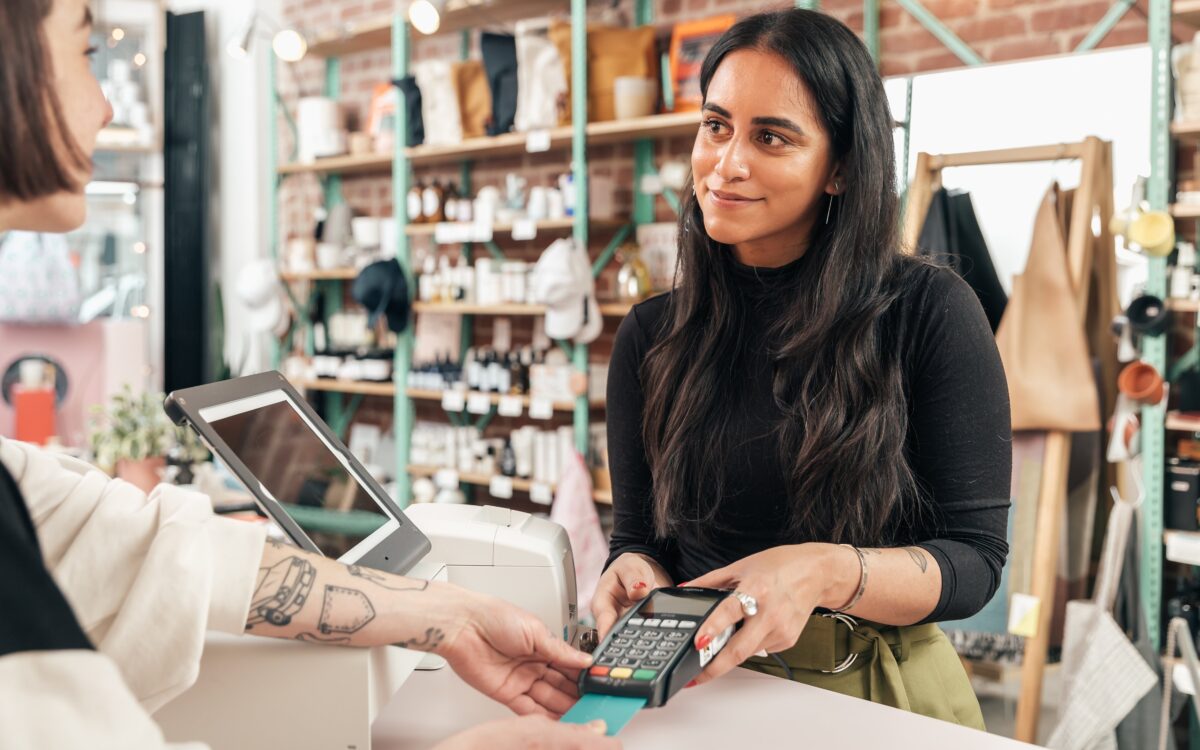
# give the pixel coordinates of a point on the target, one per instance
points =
(837, 378)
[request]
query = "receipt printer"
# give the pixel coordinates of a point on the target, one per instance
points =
(512, 555)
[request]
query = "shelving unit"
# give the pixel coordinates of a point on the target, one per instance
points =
(483, 480)
(330, 274)
(546, 225)
(607, 309)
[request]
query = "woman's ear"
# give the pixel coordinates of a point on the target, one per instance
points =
(836, 184)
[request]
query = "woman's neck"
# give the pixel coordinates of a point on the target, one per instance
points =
(768, 255)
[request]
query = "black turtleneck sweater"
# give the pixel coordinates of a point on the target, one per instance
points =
(959, 438)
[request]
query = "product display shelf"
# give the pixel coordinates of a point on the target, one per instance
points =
(1182, 546)
(327, 274)
(484, 480)
(1185, 210)
(1183, 305)
(1187, 11)
(361, 387)
(1187, 132)
(555, 139)
(494, 398)
(545, 225)
(1180, 422)
(607, 309)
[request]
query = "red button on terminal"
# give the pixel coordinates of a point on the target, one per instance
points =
(598, 671)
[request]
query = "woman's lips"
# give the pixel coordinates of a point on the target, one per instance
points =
(729, 200)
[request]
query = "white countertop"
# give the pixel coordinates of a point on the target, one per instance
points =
(743, 709)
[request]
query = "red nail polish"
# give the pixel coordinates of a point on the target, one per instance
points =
(640, 585)
(703, 641)
(693, 683)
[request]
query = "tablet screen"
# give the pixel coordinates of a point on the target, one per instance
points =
(298, 469)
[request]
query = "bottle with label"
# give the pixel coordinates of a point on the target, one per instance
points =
(508, 459)
(450, 203)
(414, 202)
(431, 203)
(427, 284)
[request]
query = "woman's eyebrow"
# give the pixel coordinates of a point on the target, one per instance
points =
(87, 17)
(774, 122)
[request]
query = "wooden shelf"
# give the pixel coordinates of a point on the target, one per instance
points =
(598, 133)
(547, 225)
(363, 387)
(1185, 210)
(1186, 131)
(484, 480)
(376, 33)
(1183, 305)
(566, 406)
(1182, 546)
(1179, 422)
(358, 164)
(607, 309)
(1187, 11)
(329, 274)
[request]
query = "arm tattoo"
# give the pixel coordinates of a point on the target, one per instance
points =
(379, 579)
(281, 591)
(429, 642)
(344, 611)
(917, 557)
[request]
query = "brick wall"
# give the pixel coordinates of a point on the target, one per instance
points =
(998, 30)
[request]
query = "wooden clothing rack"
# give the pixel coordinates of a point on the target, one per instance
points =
(1087, 269)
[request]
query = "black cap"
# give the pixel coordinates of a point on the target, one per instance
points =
(382, 288)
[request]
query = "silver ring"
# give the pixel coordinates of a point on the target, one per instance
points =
(851, 623)
(749, 603)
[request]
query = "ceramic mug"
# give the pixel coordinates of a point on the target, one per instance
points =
(1141, 383)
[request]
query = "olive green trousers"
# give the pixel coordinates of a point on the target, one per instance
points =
(912, 667)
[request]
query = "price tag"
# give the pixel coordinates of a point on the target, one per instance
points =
(651, 184)
(479, 403)
(524, 229)
(541, 408)
(500, 486)
(541, 493)
(510, 406)
(446, 479)
(453, 401)
(1023, 615)
(537, 140)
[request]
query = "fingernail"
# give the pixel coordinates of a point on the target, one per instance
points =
(598, 726)
(693, 683)
(703, 641)
(640, 585)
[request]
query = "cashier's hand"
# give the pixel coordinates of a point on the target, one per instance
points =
(508, 655)
(787, 583)
(536, 732)
(626, 582)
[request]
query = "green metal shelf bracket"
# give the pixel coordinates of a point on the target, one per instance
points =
(611, 249)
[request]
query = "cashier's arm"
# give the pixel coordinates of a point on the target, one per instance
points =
(498, 649)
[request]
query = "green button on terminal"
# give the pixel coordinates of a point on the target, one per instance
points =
(645, 674)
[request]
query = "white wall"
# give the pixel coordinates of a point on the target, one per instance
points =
(240, 188)
(1051, 100)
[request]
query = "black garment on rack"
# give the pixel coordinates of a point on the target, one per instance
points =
(412, 103)
(500, 65)
(959, 437)
(951, 236)
(36, 615)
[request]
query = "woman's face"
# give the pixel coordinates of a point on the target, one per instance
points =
(66, 31)
(762, 163)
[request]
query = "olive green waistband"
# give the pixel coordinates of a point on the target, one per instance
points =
(827, 642)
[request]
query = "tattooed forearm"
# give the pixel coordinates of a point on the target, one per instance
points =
(429, 642)
(314, 638)
(918, 557)
(379, 579)
(345, 611)
(281, 591)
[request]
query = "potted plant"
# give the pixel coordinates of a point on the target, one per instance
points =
(131, 437)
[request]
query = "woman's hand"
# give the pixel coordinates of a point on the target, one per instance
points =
(537, 732)
(509, 655)
(788, 582)
(626, 582)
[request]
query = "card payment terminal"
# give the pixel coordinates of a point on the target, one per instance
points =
(649, 656)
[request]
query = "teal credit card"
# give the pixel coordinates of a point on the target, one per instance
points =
(615, 710)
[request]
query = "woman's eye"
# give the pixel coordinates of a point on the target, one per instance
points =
(771, 139)
(713, 126)
(91, 51)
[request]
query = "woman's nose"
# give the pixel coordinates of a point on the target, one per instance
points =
(731, 166)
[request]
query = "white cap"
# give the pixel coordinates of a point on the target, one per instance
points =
(260, 295)
(562, 280)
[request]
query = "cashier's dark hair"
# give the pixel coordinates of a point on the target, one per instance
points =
(37, 152)
(837, 375)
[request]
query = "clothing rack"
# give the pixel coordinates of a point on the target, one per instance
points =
(1087, 269)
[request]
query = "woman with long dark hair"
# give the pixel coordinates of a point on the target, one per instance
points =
(812, 417)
